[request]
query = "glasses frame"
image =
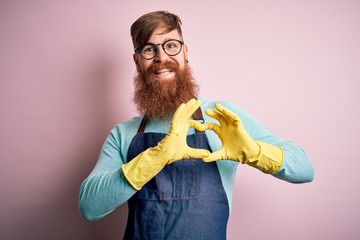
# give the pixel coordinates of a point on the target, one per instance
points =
(138, 49)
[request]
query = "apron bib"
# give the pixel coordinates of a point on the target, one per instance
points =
(186, 200)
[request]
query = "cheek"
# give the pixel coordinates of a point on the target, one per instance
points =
(143, 66)
(181, 62)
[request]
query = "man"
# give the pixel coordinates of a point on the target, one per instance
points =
(175, 164)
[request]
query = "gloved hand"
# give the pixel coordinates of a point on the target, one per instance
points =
(237, 145)
(171, 148)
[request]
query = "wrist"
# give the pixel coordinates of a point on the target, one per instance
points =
(270, 158)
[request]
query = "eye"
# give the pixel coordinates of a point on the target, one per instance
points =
(171, 44)
(148, 49)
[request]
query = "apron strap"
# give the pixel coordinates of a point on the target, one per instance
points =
(142, 125)
(197, 116)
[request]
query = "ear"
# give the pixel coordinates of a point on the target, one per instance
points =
(136, 58)
(185, 51)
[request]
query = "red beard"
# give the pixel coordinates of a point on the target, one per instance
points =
(160, 98)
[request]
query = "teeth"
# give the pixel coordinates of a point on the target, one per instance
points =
(162, 71)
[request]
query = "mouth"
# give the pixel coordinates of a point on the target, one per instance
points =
(164, 73)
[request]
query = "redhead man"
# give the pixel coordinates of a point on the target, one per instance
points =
(175, 164)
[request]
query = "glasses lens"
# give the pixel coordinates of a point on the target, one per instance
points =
(172, 47)
(148, 51)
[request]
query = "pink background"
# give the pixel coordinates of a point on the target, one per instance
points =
(66, 74)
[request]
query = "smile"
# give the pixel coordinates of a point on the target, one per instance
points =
(163, 72)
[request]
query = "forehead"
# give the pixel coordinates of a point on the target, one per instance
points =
(160, 35)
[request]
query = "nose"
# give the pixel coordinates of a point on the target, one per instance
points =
(161, 56)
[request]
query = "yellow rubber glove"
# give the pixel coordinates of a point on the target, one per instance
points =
(237, 145)
(171, 148)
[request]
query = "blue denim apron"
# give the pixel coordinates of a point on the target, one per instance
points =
(186, 200)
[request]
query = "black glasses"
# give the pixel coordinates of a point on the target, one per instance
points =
(172, 47)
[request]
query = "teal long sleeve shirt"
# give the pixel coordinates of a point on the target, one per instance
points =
(106, 187)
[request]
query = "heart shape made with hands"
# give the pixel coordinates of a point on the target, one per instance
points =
(237, 145)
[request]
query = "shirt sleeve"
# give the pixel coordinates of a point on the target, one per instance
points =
(297, 167)
(106, 187)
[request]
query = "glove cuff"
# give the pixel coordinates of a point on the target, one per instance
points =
(269, 159)
(144, 167)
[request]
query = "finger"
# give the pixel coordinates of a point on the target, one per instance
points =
(184, 113)
(218, 155)
(226, 112)
(212, 126)
(179, 112)
(191, 106)
(197, 125)
(205, 126)
(216, 115)
(197, 153)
